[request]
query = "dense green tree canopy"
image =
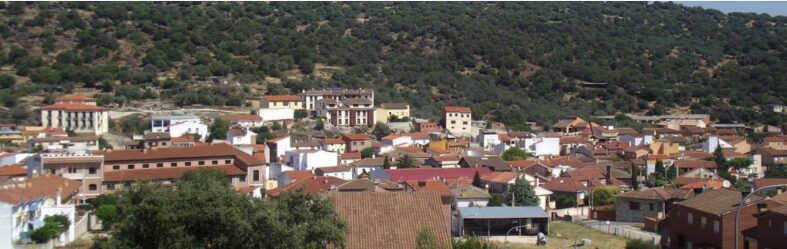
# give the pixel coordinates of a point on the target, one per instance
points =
(515, 62)
(203, 211)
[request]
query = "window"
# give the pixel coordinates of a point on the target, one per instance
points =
(703, 222)
(173, 165)
(110, 186)
(690, 218)
(92, 187)
(785, 228)
(255, 175)
(130, 166)
(651, 206)
(92, 171)
(227, 161)
(188, 163)
(634, 205)
(115, 167)
(145, 166)
(201, 163)
(716, 226)
(159, 165)
(72, 170)
(215, 162)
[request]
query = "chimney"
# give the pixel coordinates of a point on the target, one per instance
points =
(58, 198)
(762, 207)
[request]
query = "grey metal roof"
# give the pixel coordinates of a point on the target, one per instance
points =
(502, 212)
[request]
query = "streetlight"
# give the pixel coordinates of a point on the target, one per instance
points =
(738, 211)
(586, 226)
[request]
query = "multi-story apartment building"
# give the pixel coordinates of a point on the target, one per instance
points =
(348, 112)
(108, 171)
(84, 167)
(708, 220)
(458, 120)
(311, 97)
(77, 113)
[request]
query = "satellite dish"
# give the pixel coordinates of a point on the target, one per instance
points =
(726, 184)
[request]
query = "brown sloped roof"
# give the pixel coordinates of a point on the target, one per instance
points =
(717, 202)
(356, 137)
(311, 185)
(282, 98)
(384, 220)
(39, 187)
(695, 163)
(658, 194)
(74, 107)
(13, 170)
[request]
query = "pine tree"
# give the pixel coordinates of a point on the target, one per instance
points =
(387, 162)
(477, 180)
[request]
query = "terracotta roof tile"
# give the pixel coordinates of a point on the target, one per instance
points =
(39, 187)
(704, 184)
(695, 163)
(658, 194)
(449, 174)
(350, 155)
(356, 137)
(457, 109)
(311, 185)
(242, 159)
(522, 163)
(246, 117)
(74, 107)
(388, 220)
(282, 98)
(718, 201)
(14, 170)
(762, 182)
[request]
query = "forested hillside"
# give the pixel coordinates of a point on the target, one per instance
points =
(511, 62)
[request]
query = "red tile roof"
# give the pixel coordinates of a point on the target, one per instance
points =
(311, 185)
(419, 135)
(435, 173)
(246, 117)
(350, 155)
(356, 137)
(333, 141)
(695, 163)
(39, 187)
(296, 175)
(283, 98)
(522, 163)
(14, 170)
(704, 184)
(762, 182)
(74, 107)
(391, 219)
(430, 186)
(457, 109)
(500, 177)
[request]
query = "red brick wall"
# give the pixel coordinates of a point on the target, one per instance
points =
(725, 239)
(770, 231)
(603, 215)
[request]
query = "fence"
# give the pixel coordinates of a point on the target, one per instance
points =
(627, 232)
(81, 226)
(570, 214)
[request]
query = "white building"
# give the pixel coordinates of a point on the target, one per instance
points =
(341, 172)
(388, 143)
(311, 159)
(636, 140)
(311, 97)
(542, 146)
(488, 139)
(458, 120)
(246, 121)
(58, 143)
(277, 146)
(23, 207)
(334, 144)
(179, 125)
(13, 158)
(712, 142)
(276, 114)
(241, 136)
(77, 113)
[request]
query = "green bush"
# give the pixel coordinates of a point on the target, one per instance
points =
(640, 244)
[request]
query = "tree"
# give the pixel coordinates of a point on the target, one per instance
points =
(776, 171)
(406, 161)
(108, 214)
(381, 130)
(103, 144)
(496, 201)
(640, 244)
(386, 162)
(219, 128)
(477, 180)
(320, 125)
(367, 152)
(514, 153)
(301, 113)
(521, 194)
(19, 114)
(718, 157)
(634, 177)
(205, 211)
(426, 239)
(738, 163)
(605, 196)
(660, 173)
(7, 81)
(53, 226)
